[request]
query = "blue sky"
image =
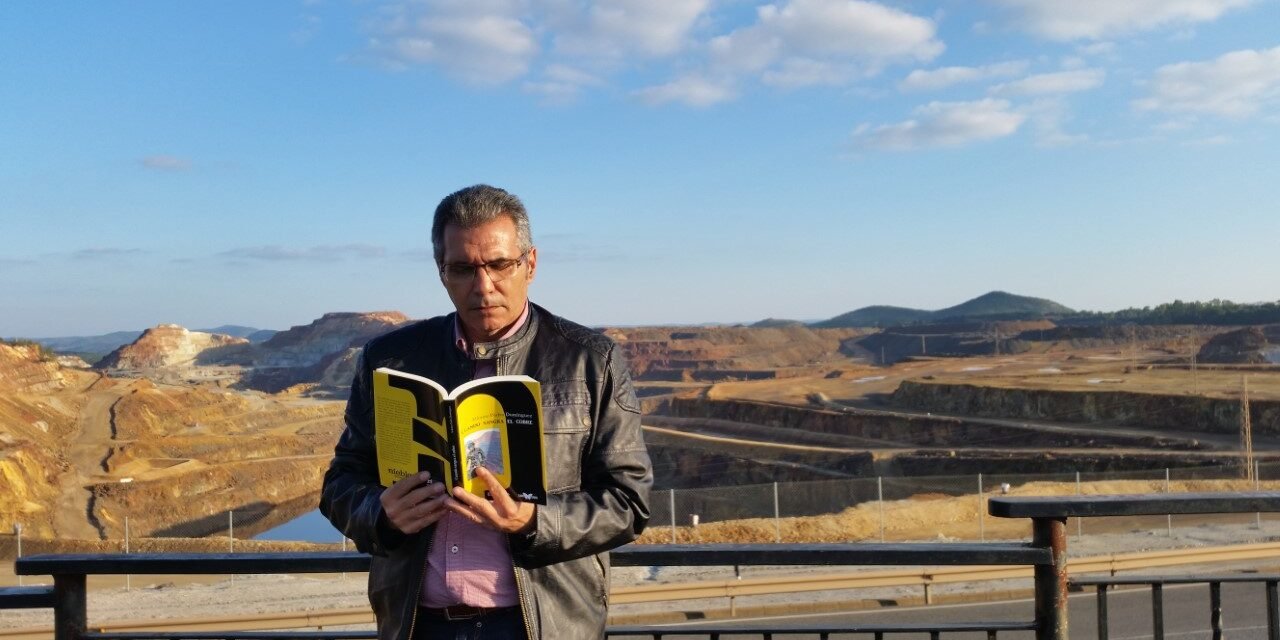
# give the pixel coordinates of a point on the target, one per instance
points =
(262, 163)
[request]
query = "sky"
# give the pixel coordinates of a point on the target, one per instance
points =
(693, 161)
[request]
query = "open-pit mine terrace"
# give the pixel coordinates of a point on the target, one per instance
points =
(174, 450)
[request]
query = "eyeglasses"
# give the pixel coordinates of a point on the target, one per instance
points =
(498, 270)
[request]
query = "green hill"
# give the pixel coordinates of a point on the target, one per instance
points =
(876, 316)
(1004, 306)
(996, 305)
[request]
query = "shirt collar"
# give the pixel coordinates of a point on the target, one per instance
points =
(460, 336)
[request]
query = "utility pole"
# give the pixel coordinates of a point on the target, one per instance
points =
(1133, 347)
(923, 350)
(1246, 428)
(1195, 352)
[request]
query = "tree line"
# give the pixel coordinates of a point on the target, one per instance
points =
(1212, 312)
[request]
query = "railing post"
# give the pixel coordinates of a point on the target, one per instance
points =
(1157, 611)
(1273, 610)
(1103, 623)
(70, 619)
(1215, 609)
(1051, 580)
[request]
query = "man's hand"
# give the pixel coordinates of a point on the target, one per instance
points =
(414, 502)
(501, 514)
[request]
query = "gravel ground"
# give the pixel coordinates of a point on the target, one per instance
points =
(153, 597)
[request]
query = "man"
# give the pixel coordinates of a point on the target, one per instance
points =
(458, 566)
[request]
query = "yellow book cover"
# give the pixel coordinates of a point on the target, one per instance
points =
(494, 422)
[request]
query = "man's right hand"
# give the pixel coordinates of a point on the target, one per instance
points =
(414, 503)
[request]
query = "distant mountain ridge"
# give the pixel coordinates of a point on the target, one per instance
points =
(995, 305)
(108, 342)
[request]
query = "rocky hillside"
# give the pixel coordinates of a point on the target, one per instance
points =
(26, 368)
(1250, 345)
(39, 402)
(318, 351)
(720, 353)
(166, 346)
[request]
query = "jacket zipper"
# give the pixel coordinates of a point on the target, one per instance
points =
(525, 609)
(417, 591)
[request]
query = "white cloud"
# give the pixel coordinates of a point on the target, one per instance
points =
(1048, 117)
(1094, 19)
(943, 124)
(165, 163)
(1236, 84)
(836, 38)
(1052, 83)
(1097, 49)
(1211, 141)
(934, 79)
(618, 27)
(692, 90)
(277, 253)
(803, 72)
(104, 253)
(562, 83)
(479, 41)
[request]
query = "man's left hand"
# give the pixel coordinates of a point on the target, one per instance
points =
(501, 514)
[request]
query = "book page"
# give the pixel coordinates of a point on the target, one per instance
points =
(408, 426)
(499, 423)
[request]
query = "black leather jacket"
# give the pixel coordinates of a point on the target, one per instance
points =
(598, 472)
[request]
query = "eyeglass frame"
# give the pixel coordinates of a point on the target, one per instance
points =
(486, 267)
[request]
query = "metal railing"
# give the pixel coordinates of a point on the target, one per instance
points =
(1157, 585)
(1046, 554)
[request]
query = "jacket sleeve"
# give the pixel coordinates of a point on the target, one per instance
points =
(611, 507)
(351, 491)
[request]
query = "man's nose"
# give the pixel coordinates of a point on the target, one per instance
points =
(482, 283)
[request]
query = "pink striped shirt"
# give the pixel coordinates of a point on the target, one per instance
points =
(470, 564)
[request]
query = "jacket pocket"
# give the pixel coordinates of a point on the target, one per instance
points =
(566, 425)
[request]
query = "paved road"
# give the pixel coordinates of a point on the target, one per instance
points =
(1186, 616)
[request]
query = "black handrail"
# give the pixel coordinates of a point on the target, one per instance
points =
(1046, 554)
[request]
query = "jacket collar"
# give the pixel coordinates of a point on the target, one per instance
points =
(506, 346)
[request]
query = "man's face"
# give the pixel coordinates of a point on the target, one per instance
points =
(487, 308)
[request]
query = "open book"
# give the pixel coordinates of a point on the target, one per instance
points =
(493, 422)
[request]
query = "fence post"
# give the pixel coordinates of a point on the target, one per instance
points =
(1168, 517)
(231, 531)
(982, 522)
(17, 530)
(344, 550)
(880, 501)
(1257, 486)
(128, 582)
(671, 493)
(1079, 520)
(777, 522)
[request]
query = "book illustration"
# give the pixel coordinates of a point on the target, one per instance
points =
(492, 422)
(484, 449)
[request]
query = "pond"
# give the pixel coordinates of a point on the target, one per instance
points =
(309, 527)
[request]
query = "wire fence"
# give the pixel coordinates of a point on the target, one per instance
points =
(682, 510)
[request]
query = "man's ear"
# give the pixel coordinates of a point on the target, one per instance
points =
(533, 261)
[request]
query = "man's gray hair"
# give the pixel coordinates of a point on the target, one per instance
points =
(476, 205)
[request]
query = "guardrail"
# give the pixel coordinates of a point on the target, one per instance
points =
(924, 577)
(1046, 554)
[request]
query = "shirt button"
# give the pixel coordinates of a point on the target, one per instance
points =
(482, 350)
(454, 548)
(586, 422)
